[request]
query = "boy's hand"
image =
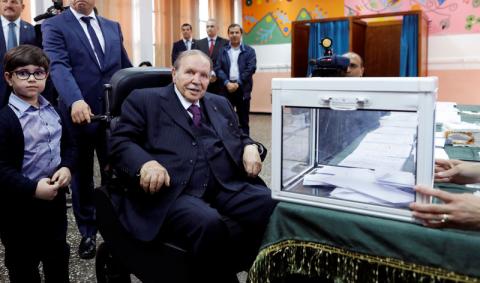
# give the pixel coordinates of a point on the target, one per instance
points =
(46, 190)
(62, 177)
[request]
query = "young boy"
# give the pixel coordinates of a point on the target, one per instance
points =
(36, 157)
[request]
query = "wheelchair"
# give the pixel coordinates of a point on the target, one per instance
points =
(120, 255)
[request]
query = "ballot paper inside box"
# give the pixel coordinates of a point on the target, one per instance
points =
(354, 144)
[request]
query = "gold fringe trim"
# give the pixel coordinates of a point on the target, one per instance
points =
(314, 260)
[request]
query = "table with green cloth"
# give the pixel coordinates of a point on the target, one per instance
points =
(311, 244)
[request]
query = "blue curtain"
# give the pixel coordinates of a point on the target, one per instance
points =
(409, 47)
(338, 31)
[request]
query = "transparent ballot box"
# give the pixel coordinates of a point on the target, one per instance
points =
(354, 144)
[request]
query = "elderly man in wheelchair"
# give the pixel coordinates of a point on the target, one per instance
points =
(190, 178)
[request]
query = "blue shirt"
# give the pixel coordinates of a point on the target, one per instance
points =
(42, 131)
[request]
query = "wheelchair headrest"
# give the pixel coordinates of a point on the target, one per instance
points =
(125, 81)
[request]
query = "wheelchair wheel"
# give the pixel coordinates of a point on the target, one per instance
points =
(107, 269)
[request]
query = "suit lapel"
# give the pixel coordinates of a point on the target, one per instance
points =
(24, 28)
(107, 32)
(217, 46)
(3, 44)
(78, 30)
(215, 119)
(174, 109)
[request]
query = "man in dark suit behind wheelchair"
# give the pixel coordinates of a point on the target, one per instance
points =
(196, 173)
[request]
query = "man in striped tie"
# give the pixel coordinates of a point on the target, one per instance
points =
(14, 32)
(210, 45)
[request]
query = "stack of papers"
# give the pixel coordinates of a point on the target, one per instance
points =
(365, 185)
(447, 112)
(389, 146)
(377, 169)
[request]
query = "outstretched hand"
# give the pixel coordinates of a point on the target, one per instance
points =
(456, 171)
(458, 210)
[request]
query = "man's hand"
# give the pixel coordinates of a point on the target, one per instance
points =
(456, 171)
(213, 79)
(153, 176)
(251, 160)
(46, 190)
(81, 112)
(62, 177)
(232, 87)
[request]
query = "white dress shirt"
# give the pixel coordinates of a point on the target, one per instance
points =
(233, 53)
(95, 26)
(188, 43)
(184, 102)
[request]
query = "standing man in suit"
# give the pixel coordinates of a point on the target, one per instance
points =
(195, 174)
(211, 45)
(14, 32)
(235, 67)
(186, 43)
(85, 51)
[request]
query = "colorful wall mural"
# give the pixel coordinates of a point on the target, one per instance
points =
(270, 21)
(447, 16)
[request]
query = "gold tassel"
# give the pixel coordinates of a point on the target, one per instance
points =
(318, 261)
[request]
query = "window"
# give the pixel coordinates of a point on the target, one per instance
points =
(202, 18)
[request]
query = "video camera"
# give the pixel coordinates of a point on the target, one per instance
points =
(329, 65)
(53, 10)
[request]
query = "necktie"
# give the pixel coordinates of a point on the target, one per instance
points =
(96, 43)
(12, 36)
(210, 48)
(187, 44)
(197, 115)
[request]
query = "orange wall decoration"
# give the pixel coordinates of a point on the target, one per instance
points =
(270, 21)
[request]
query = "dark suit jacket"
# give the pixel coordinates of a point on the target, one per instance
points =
(27, 36)
(179, 46)
(16, 191)
(75, 71)
(203, 45)
(155, 126)
(247, 65)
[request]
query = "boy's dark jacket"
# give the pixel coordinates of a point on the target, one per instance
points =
(17, 191)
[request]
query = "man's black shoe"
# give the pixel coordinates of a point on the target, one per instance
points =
(87, 248)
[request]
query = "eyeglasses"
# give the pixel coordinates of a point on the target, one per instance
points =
(25, 75)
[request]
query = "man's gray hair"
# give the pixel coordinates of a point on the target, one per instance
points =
(193, 52)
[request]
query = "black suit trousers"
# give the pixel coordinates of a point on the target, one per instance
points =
(242, 108)
(222, 231)
(38, 236)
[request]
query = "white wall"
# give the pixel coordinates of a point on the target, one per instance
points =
(142, 31)
(454, 52)
(273, 58)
